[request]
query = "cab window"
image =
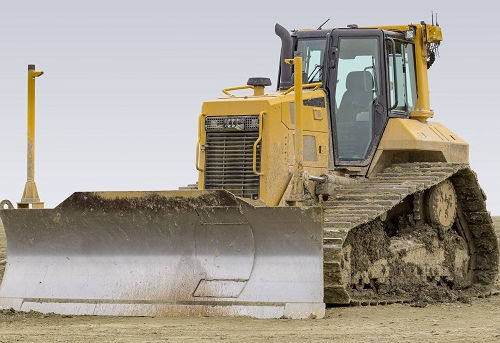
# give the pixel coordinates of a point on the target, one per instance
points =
(402, 83)
(312, 52)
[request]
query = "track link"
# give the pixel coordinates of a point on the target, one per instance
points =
(360, 203)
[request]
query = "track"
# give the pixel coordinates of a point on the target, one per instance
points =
(372, 200)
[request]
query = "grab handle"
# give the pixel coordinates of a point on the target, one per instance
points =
(314, 86)
(227, 90)
(259, 139)
(198, 143)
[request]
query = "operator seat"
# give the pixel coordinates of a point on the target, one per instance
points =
(354, 116)
(358, 95)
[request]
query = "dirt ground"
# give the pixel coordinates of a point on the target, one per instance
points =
(478, 321)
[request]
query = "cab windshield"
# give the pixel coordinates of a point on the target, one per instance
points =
(312, 51)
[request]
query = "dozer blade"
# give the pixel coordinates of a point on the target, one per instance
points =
(172, 253)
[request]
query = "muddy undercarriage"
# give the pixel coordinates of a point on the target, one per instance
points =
(413, 262)
(386, 240)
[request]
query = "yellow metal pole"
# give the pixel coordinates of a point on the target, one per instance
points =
(299, 141)
(297, 191)
(30, 194)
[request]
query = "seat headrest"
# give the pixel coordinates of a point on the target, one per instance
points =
(359, 80)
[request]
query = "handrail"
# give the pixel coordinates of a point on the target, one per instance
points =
(316, 86)
(254, 156)
(227, 90)
(198, 143)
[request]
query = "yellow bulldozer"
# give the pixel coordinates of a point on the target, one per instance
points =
(335, 188)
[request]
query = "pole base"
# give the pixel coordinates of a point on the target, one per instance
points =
(34, 205)
(30, 196)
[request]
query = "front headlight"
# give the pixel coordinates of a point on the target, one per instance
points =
(410, 34)
(234, 123)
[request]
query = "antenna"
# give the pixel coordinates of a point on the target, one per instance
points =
(437, 19)
(321, 26)
(432, 18)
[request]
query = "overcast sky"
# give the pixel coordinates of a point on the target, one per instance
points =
(124, 82)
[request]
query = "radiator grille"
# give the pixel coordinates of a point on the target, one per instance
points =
(228, 162)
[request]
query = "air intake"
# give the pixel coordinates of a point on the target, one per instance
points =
(229, 155)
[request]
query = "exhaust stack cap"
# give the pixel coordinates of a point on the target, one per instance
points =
(259, 81)
(258, 84)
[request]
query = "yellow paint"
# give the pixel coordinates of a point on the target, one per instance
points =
(424, 35)
(315, 85)
(257, 141)
(283, 116)
(230, 89)
(409, 135)
(258, 90)
(297, 190)
(299, 142)
(277, 133)
(201, 117)
(30, 194)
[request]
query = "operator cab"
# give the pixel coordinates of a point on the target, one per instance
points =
(368, 76)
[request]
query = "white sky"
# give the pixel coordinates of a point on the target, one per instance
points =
(124, 82)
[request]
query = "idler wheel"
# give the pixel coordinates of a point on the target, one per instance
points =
(442, 204)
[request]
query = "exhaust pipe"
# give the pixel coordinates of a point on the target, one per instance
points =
(286, 53)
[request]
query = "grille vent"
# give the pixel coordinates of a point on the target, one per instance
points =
(232, 123)
(228, 160)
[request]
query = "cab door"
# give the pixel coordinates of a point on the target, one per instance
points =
(357, 91)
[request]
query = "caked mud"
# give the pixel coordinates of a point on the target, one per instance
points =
(150, 201)
(382, 243)
(410, 261)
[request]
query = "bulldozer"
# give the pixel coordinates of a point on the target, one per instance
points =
(335, 188)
